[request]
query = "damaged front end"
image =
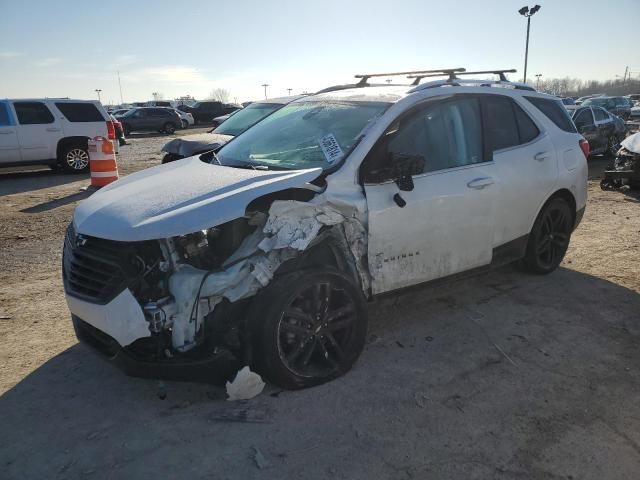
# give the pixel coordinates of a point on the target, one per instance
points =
(625, 169)
(176, 308)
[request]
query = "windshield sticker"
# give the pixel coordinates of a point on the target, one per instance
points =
(331, 148)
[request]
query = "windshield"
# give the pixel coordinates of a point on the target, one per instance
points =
(302, 135)
(568, 101)
(240, 120)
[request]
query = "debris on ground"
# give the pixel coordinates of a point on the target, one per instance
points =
(261, 462)
(242, 415)
(246, 385)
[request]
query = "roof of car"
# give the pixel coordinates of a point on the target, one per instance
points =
(390, 94)
(279, 100)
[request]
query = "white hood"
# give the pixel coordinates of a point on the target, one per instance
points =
(178, 198)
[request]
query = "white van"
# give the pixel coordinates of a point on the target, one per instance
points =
(52, 131)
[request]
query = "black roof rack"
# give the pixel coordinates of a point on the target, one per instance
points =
(453, 75)
(443, 71)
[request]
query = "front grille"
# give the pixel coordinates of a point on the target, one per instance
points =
(95, 269)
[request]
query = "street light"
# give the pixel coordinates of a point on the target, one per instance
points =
(98, 90)
(265, 85)
(538, 75)
(526, 12)
(289, 90)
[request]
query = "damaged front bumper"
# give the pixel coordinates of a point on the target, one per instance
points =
(216, 368)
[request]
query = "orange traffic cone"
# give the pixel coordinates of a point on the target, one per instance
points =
(102, 162)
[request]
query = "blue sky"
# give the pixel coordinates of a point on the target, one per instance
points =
(71, 47)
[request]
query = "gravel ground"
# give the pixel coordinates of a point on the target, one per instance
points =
(503, 376)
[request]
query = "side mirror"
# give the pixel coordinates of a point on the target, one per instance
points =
(402, 168)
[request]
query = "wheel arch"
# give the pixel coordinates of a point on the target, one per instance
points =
(68, 141)
(563, 193)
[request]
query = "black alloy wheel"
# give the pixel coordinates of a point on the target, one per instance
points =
(549, 239)
(310, 327)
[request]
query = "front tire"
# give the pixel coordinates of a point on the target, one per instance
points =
(549, 237)
(307, 328)
(74, 158)
(169, 128)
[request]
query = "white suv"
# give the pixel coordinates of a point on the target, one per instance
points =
(51, 131)
(265, 252)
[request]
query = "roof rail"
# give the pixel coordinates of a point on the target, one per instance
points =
(443, 71)
(454, 75)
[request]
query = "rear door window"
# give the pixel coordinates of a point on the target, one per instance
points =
(584, 118)
(500, 127)
(80, 112)
(527, 129)
(33, 113)
(554, 111)
(600, 114)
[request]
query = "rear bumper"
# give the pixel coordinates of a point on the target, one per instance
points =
(215, 368)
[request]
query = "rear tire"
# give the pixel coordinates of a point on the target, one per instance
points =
(549, 237)
(74, 158)
(306, 328)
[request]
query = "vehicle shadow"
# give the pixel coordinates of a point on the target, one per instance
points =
(59, 202)
(445, 368)
(20, 181)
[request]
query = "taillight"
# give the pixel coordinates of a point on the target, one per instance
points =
(111, 130)
(584, 146)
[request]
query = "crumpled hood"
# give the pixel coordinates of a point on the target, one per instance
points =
(178, 198)
(197, 143)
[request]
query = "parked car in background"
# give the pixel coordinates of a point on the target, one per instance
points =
(267, 254)
(635, 111)
(603, 130)
(122, 140)
(159, 119)
(186, 119)
(204, 111)
(569, 104)
(158, 103)
(634, 97)
(52, 131)
(222, 118)
(620, 106)
(238, 122)
(586, 97)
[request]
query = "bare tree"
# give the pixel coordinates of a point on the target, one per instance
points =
(220, 94)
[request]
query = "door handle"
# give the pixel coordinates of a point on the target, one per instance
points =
(480, 183)
(541, 156)
(53, 129)
(6, 132)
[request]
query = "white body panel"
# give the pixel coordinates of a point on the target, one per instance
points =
(9, 145)
(122, 318)
(178, 198)
(446, 226)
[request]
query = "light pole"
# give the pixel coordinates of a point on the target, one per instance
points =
(538, 75)
(289, 90)
(526, 12)
(98, 90)
(265, 85)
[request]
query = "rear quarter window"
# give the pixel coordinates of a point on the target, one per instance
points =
(80, 112)
(554, 111)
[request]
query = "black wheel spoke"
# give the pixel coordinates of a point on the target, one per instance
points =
(338, 313)
(302, 332)
(309, 352)
(299, 315)
(342, 324)
(327, 356)
(543, 245)
(335, 346)
(295, 353)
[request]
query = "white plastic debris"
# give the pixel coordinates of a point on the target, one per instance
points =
(246, 385)
(632, 143)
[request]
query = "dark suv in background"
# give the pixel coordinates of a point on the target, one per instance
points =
(620, 106)
(139, 119)
(207, 111)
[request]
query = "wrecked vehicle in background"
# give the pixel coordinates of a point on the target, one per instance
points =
(264, 252)
(625, 169)
(238, 122)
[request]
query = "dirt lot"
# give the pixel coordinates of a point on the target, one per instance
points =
(504, 376)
